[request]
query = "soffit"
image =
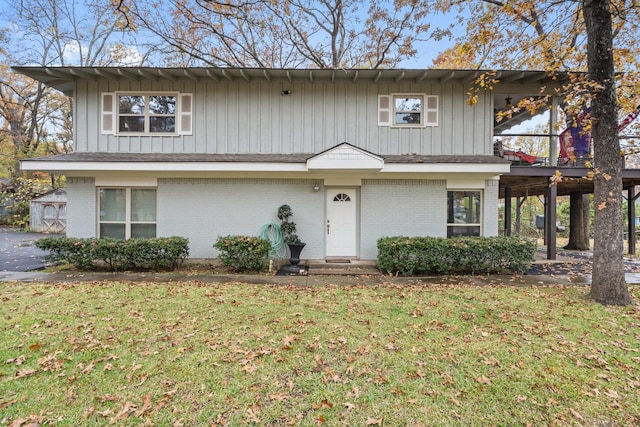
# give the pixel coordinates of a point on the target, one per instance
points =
(63, 78)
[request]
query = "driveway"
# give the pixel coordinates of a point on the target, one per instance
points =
(17, 252)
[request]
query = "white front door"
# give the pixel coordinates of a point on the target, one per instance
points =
(341, 223)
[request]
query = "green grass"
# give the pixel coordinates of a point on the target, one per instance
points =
(200, 354)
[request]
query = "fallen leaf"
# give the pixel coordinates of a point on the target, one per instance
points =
(25, 373)
(35, 346)
(280, 397)
(374, 421)
(611, 393)
(146, 405)
(127, 408)
(326, 404)
(483, 380)
(350, 405)
(89, 367)
(576, 414)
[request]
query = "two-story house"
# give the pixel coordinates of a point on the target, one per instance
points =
(205, 152)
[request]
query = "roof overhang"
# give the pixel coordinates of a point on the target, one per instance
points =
(64, 78)
(343, 158)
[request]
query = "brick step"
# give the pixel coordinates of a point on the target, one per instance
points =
(354, 268)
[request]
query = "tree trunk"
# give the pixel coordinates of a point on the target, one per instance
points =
(577, 224)
(608, 282)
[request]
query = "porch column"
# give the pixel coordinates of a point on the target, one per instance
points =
(550, 220)
(631, 219)
(553, 136)
(507, 211)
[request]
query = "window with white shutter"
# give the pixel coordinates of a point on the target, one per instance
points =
(186, 106)
(147, 113)
(384, 110)
(108, 113)
(408, 110)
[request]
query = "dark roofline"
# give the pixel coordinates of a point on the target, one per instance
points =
(249, 158)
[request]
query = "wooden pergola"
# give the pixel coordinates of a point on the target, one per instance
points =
(525, 181)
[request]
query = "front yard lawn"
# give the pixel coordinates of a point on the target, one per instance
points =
(199, 354)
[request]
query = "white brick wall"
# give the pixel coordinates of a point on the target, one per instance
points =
(81, 207)
(490, 213)
(401, 207)
(203, 209)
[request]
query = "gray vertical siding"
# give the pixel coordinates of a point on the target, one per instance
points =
(253, 117)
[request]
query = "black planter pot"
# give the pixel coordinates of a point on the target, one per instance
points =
(295, 249)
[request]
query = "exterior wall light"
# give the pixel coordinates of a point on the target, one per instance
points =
(316, 188)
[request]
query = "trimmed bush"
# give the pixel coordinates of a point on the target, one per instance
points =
(160, 253)
(243, 253)
(408, 256)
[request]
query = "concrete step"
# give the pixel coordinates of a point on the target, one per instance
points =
(351, 268)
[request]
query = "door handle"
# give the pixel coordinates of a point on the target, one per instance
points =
(328, 226)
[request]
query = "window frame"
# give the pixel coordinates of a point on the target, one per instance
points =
(111, 113)
(480, 207)
(147, 114)
(127, 222)
(429, 113)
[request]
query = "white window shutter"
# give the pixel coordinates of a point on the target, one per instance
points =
(108, 124)
(431, 110)
(185, 119)
(384, 110)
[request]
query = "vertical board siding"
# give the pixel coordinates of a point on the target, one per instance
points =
(254, 117)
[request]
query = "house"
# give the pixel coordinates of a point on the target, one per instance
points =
(357, 154)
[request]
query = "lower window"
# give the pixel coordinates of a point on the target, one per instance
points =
(464, 213)
(127, 212)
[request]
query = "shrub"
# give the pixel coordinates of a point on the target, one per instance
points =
(243, 253)
(407, 256)
(160, 253)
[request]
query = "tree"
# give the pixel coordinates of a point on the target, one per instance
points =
(553, 35)
(608, 283)
(281, 33)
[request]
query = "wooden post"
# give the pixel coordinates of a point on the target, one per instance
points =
(507, 211)
(550, 220)
(631, 219)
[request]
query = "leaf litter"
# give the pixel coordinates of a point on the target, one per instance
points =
(192, 353)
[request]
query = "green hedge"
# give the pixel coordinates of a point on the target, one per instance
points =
(160, 253)
(409, 256)
(243, 253)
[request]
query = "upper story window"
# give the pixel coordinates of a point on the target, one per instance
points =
(407, 110)
(150, 113)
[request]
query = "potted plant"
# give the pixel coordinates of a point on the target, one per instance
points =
(288, 229)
